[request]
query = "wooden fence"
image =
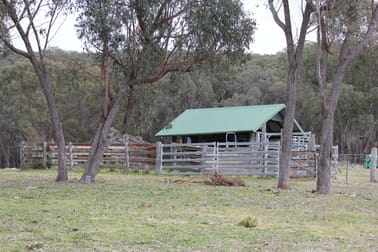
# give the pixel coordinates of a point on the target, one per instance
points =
(130, 155)
(249, 158)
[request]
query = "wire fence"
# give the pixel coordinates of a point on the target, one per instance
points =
(353, 159)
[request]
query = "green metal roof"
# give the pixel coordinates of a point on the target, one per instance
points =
(224, 119)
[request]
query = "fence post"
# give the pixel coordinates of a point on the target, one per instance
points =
(373, 164)
(159, 158)
(44, 155)
(70, 153)
(312, 143)
(265, 169)
(22, 154)
(216, 156)
(127, 155)
(346, 172)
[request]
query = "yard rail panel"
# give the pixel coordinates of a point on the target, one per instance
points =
(188, 158)
(248, 158)
(231, 159)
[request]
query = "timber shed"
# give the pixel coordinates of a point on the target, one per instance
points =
(226, 124)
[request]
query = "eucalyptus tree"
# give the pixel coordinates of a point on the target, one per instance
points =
(150, 39)
(294, 57)
(32, 23)
(345, 28)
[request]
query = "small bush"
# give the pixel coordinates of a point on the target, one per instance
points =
(249, 222)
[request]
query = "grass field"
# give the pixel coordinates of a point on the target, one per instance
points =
(136, 212)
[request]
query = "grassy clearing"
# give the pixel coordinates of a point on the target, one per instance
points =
(154, 213)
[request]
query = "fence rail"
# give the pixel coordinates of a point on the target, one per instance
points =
(129, 155)
(231, 159)
(251, 158)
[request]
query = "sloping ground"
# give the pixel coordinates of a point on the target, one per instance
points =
(151, 213)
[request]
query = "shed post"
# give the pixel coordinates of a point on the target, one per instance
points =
(44, 155)
(216, 156)
(127, 156)
(265, 169)
(312, 143)
(373, 164)
(264, 137)
(264, 148)
(70, 153)
(22, 154)
(159, 158)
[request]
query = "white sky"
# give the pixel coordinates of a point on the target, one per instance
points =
(269, 38)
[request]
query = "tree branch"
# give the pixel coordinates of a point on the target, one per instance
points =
(31, 17)
(275, 15)
(309, 8)
(15, 49)
(183, 66)
(13, 16)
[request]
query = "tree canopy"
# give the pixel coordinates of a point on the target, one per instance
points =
(261, 80)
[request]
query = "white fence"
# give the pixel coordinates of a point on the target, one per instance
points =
(249, 158)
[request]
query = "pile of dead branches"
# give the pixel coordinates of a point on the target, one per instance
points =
(218, 179)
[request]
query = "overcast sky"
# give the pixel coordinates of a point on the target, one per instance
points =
(269, 38)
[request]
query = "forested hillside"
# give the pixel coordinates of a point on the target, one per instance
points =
(260, 80)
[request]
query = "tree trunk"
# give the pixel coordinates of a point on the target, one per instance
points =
(294, 55)
(101, 141)
(287, 133)
(55, 120)
(98, 146)
(130, 109)
(323, 182)
(105, 80)
(329, 103)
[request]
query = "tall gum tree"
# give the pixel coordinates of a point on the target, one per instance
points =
(154, 38)
(294, 57)
(345, 29)
(32, 22)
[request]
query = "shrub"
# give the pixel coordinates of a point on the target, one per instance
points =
(249, 222)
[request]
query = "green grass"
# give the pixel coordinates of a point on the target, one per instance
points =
(138, 212)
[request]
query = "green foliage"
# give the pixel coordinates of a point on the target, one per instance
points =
(149, 39)
(347, 17)
(259, 80)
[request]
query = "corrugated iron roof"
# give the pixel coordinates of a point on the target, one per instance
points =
(223, 119)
